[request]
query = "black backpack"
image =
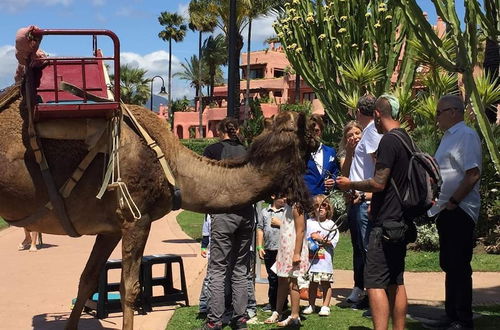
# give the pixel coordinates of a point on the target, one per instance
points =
(424, 180)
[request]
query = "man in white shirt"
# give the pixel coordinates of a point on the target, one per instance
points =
(459, 159)
(362, 168)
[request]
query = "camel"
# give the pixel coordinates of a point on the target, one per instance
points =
(275, 162)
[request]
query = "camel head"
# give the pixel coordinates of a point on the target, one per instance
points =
(283, 149)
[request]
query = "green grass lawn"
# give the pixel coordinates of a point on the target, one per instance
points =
(416, 261)
(340, 318)
(3, 224)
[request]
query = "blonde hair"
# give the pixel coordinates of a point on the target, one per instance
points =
(320, 199)
(350, 125)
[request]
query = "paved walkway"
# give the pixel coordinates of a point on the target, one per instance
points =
(37, 288)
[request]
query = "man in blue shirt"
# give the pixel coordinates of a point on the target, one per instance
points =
(322, 168)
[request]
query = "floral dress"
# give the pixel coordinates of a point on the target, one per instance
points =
(283, 266)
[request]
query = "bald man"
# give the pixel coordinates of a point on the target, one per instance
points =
(459, 158)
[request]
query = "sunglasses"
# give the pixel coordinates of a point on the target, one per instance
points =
(322, 205)
(439, 112)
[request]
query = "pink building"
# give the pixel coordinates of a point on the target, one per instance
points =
(269, 81)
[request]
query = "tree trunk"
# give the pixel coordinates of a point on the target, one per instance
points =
(247, 93)
(198, 91)
(233, 76)
(297, 87)
(170, 113)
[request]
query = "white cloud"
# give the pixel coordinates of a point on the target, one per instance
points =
(9, 65)
(156, 63)
(183, 10)
(16, 5)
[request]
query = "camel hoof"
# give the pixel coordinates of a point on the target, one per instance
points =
(33, 248)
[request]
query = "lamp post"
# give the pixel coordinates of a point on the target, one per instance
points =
(162, 90)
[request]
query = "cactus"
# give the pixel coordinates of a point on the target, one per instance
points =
(344, 48)
(466, 45)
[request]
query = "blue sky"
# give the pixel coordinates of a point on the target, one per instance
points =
(134, 21)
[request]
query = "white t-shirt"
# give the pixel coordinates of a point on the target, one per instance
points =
(322, 262)
(459, 151)
(363, 164)
(318, 158)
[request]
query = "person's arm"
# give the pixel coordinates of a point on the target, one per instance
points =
(345, 164)
(471, 177)
(375, 184)
(260, 243)
(299, 222)
(204, 245)
(275, 222)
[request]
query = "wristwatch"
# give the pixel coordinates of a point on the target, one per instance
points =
(452, 200)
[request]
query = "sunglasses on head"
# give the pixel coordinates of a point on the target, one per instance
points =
(322, 205)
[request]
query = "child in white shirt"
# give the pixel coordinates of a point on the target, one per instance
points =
(322, 231)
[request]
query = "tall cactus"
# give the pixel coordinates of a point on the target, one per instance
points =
(345, 48)
(466, 43)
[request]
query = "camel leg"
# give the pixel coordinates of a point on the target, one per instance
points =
(103, 246)
(135, 234)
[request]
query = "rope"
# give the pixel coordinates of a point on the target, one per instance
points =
(112, 177)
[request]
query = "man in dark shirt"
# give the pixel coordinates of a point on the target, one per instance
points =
(385, 261)
(230, 240)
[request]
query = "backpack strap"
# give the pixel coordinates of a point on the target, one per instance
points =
(399, 135)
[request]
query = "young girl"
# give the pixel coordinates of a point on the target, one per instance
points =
(291, 262)
(324, 232)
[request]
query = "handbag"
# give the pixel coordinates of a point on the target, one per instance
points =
(394, 232)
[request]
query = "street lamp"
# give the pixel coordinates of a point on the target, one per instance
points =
(163, 91)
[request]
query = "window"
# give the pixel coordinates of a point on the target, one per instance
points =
(309, 96)
(257, 73)
(278, 73)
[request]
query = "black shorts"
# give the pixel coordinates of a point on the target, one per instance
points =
(385, 262)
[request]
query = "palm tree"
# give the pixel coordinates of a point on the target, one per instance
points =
(134, 87)
(214, 52)
(191, 73)
(200, 23)
(174, 29)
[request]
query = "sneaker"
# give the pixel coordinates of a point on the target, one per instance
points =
(367, 314)
(308, 310)
(211, 326)
(325, 311)
(289, 322)
(355, 296)
(240, 324)
(267, 309)
(459, 325)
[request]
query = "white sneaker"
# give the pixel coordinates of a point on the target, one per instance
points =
(355, 296)
(325, 311)
(308, 310)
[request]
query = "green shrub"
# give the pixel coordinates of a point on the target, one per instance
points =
(427, 238)
(305, 107)
(197, 145)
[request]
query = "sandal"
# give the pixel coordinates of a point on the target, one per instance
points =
(273, 318)
(289, 322)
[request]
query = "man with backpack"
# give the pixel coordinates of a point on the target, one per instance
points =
(387, 243)
(459, 159)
